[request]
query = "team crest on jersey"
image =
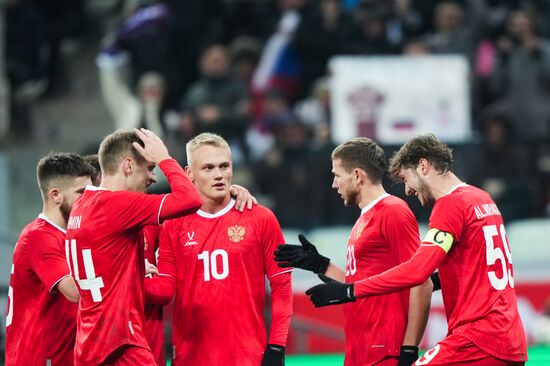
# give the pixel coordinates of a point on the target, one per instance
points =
(236, 233)
(359, 231)
(190, 239)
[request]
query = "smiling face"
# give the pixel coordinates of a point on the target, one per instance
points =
(345, 183)
(416, 184)
(211, 170)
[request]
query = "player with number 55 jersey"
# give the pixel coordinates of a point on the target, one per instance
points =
(216, 262)
(467, 242)
(105, 245)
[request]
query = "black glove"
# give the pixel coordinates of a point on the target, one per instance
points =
(331, 292)
(274, 355)
(437, 283)
(408, 355)
(303, 256)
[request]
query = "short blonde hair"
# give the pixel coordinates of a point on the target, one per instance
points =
(203, 139)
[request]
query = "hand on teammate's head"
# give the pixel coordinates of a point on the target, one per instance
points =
(154, 149)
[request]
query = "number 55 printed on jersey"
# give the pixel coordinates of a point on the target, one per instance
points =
(495, 254)
(91, 282)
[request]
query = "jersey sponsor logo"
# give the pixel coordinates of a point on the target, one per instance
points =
(191, 239)
(236, 233)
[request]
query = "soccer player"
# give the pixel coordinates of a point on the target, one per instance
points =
(41, 319)
(105, 245)
(215, 262)
(467, 242)
(382, 330)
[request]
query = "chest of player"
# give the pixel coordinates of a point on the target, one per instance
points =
(368, 251)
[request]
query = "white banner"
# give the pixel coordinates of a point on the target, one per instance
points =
(392, 99)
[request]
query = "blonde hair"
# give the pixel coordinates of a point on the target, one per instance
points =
(203, 139)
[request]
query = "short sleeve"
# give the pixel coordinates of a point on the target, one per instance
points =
(401, 230)
(47, 258)
(128, 210)
(448, 216)
(270, 235)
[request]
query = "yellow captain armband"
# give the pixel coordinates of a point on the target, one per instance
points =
(440, 238)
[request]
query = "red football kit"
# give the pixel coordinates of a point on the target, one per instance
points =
(216, 265)
(385, 235)
(154, 327)
(41, 322)
(105, 246)
(467, 242)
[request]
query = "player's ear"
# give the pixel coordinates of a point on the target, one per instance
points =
(189, 173)
(55, 195)
(128, 166)
(424, 164)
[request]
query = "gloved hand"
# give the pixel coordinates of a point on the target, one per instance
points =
(435, 280)
(408, 355)
(331, 292)
(303, 256)
(274, 355)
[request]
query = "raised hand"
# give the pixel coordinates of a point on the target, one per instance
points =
(154, 150)
(304, 256)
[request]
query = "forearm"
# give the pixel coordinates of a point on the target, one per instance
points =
(419, 308)
(160, 290)
(184, 198)
(408, 274)
(335, 272)
(281, 308)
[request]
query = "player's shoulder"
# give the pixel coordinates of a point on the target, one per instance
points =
(259, 212)
(392, 205)
(39, 232)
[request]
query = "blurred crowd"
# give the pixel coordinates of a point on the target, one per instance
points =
(255, 72)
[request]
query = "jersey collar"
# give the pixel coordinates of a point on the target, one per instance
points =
(94, 188)
(222, 212)
(45, 218)
(371, 205)
(454, 188)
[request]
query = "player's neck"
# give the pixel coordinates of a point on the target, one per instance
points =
(114, 182)
(369, 193)
(213, 206)
(53, 213)
(442, 184)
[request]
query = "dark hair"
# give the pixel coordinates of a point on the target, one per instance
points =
(422, 147)
(53, 168)
(93, 160)
(116, 147)
(362, 153)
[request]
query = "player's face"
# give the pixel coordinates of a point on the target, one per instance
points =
(142, 177)
(211, 171)
(344, 183)
(71, 194)
(415, 184)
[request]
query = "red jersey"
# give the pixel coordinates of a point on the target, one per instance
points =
(385, 235)
(475, 267)
(154, 327)
(105, 243)
(219, 262)
(41, 322)
(480, 263)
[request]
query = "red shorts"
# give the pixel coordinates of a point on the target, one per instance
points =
(130, 356)
(459, 351)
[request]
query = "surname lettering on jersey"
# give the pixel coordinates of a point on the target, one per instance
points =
(74, 222)
(486, 209)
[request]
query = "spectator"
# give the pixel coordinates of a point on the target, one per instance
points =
(218, 102)
(315, 111)
(501, 167)
(521, 77)
(457, 30)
